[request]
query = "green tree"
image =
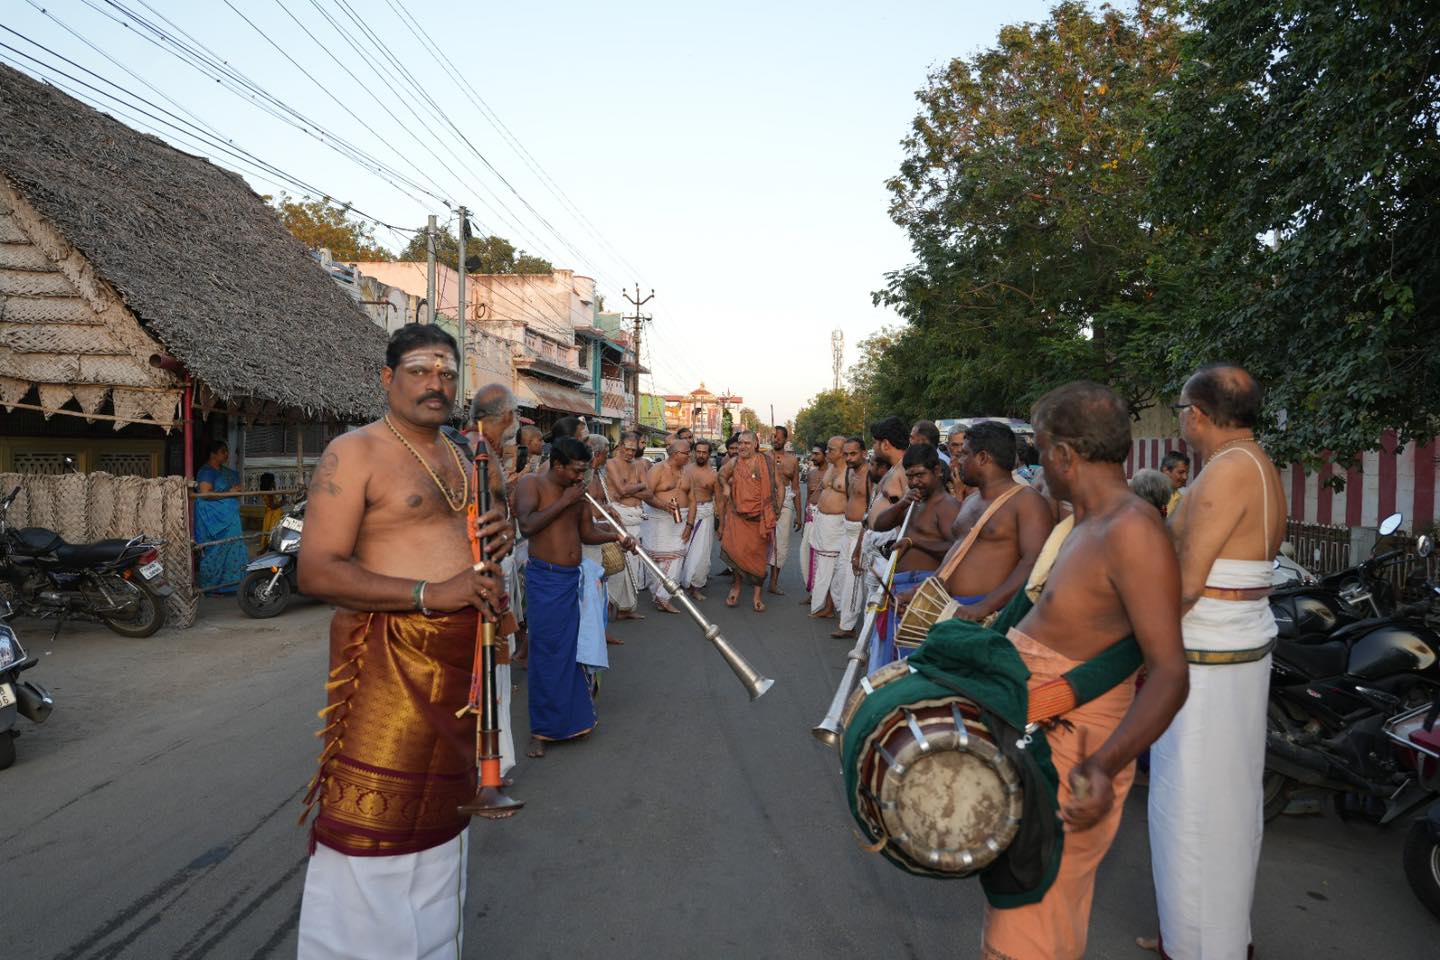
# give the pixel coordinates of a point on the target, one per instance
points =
(484, 254)
(321, 223)
(749, 419)
(1023, 190)
(1300, 157)
(830, 413)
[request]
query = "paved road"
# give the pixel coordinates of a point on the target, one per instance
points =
(155, 817)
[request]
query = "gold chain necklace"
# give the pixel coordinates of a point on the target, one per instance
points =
(455, 506)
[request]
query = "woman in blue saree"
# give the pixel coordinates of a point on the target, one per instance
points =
(223, 565)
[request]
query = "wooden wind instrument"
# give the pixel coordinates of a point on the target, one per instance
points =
(491, 801)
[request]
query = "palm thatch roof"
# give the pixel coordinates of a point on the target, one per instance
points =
(197, 256)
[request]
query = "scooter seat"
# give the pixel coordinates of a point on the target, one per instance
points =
(1315, 659)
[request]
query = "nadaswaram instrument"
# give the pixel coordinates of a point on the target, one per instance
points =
(931, 786)
(828, 730)
(491, 801)
(754, 683)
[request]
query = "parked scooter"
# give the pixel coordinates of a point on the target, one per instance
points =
(1312, 608)
(1330, 699)
(271, 579)
(18, 698)
(120, 583)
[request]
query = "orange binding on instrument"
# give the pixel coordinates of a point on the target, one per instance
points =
(490, 799)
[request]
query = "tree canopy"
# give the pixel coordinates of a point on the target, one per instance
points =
(1023, 190)
(1126, 196)
(321, 223)
(1301, 145)
(484, 254)
(830, 413)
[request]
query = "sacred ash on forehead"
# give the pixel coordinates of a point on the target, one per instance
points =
(430, 357)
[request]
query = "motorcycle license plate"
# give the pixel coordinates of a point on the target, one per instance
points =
(152, 570)
(7, 695)
(292, 523)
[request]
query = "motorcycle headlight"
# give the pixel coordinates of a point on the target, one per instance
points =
(290, 545)
(10, 651)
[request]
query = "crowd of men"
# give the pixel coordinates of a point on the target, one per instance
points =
(390, 542)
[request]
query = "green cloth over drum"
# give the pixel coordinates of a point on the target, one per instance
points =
(980, 663)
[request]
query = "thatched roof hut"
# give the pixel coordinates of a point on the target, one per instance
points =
(113, 242)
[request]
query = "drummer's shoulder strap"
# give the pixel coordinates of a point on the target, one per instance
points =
(974, 534)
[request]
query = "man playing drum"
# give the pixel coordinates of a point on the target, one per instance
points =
(1004, 553)
(1115, 575)
(1206, 771)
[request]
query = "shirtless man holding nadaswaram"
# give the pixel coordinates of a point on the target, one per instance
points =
(625, 479)
(552, 512)
(787, 472)
(928, 536)
(386, 543)
(700, 531)
(829, 531)
(669, 497)
(1115, 576)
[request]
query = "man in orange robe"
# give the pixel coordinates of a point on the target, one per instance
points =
(752, 506)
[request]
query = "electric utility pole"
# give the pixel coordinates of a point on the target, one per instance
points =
(639, 319)
(430, 271)
(464, 233)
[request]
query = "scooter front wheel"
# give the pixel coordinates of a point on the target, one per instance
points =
(259, 598)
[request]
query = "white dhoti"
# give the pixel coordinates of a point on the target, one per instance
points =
(379, 908)
(826, 540)
(696, 572)
(780, 544)
(647, 539)
(626, 595)
(848, 589)
(807, 556)
(521, 556)
(1206, 770)
(667, 549)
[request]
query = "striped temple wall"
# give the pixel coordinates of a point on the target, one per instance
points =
(1387, 480)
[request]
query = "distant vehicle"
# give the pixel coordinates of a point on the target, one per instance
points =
(1022, 428)
(654, 454)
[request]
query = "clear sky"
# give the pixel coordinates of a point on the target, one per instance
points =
(731, 156)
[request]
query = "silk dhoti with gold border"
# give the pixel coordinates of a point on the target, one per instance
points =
(397, 762)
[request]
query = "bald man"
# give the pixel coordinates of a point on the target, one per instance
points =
(1206, 798)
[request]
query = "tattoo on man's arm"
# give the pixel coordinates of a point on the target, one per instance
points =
(326, 472)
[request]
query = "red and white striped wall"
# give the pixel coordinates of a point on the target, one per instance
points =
(1386, 481)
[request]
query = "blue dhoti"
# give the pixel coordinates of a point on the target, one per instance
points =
(560, 704)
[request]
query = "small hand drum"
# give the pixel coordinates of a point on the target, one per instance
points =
(930, 604)
(931, 784)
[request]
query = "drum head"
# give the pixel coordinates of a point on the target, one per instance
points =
(947, 800)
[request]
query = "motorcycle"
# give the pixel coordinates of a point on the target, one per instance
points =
(18, 698)
(1305, 607)
(1415, 735)
(272, 578)
(1330, 699)
(120, 583)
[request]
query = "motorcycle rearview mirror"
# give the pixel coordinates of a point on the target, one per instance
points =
(1391, 523)
(1424, 546)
